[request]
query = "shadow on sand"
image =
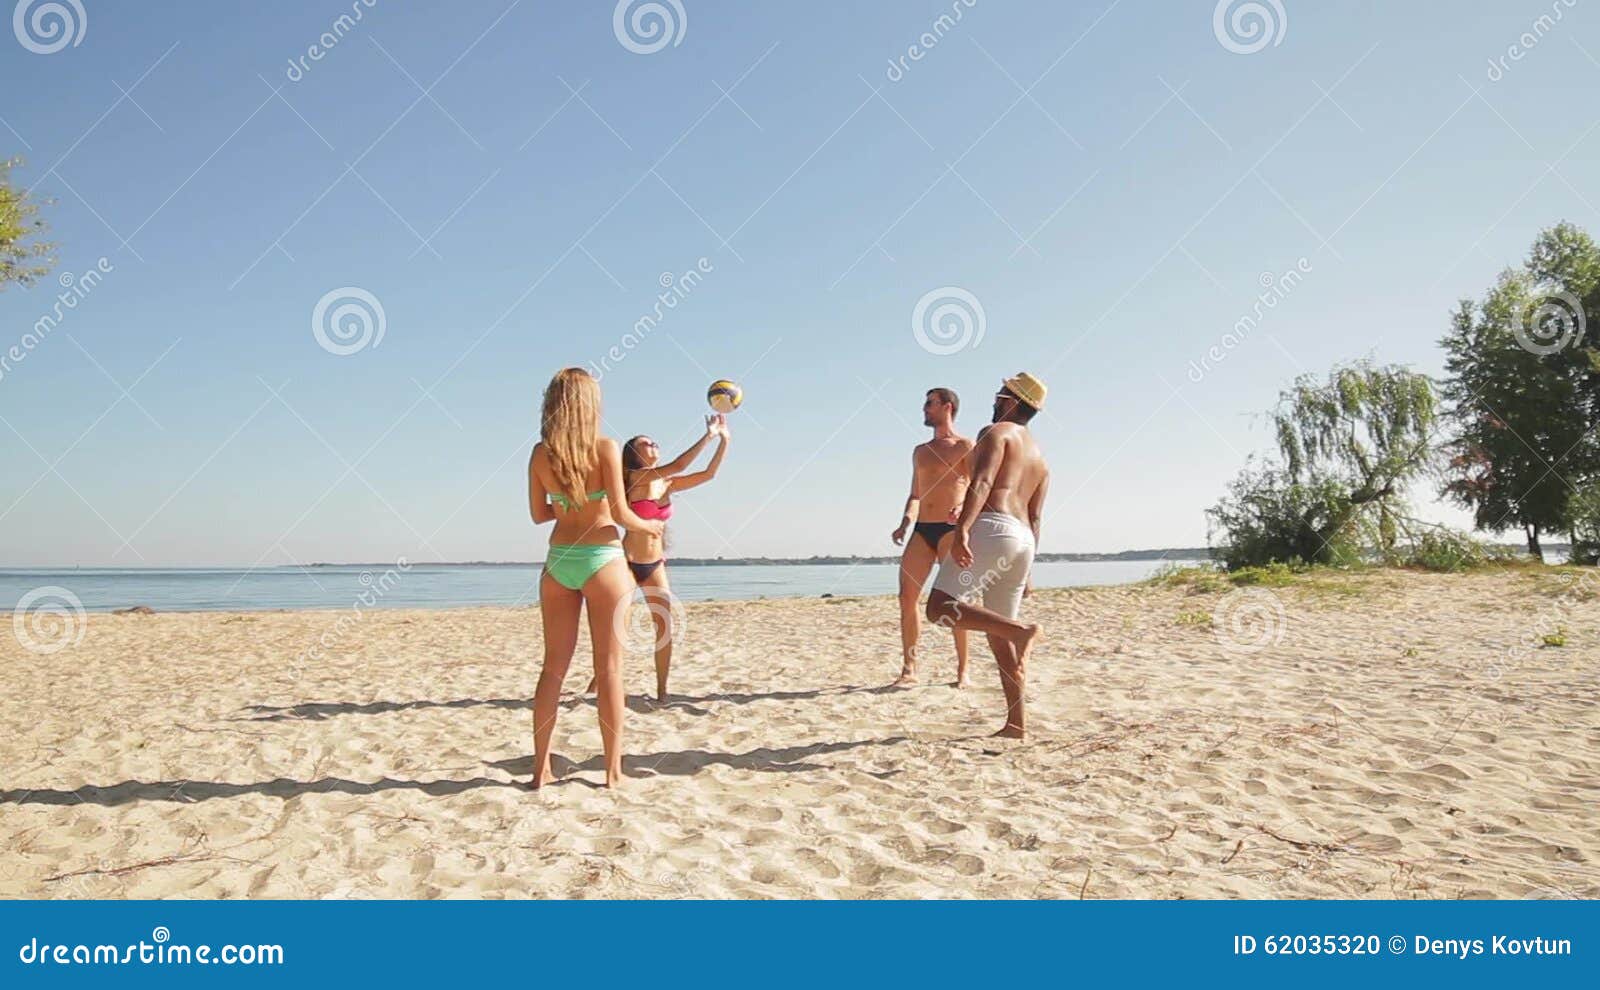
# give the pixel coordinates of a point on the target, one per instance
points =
(688, 762)
(789, 759)
(316, 711)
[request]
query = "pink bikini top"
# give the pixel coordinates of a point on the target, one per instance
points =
(647, 508)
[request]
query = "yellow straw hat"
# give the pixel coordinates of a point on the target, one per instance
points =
(1027, 388)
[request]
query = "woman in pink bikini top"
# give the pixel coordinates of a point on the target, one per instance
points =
(650, 486)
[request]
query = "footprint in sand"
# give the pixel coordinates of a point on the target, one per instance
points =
(818, 865)
(765, 874)
(941, 826)
(765, 814)
(964, 864)
(612, 845)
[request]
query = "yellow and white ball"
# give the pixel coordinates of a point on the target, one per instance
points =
(724, 396)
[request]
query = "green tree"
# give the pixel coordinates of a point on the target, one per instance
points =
(1584, 508)
(1348, 448)
(23, 257)
(1523, 390)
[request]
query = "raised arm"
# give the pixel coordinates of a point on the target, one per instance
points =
(908, 515)
(684, 482)
(538, 498)
(683, 460)
(611, 474)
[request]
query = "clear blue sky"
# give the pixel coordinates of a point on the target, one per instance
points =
(1109, 180)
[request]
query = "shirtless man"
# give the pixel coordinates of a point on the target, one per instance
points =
(938, 484)
(995, 539)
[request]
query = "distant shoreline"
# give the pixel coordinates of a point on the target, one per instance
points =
(1171, 553)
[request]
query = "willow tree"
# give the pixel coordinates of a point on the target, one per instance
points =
(23, 257)
(1348, 448)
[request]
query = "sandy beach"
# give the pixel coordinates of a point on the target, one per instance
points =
(1386, 734)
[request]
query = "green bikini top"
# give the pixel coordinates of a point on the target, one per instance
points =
(556, 498)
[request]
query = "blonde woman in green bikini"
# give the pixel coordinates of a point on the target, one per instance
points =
(575, 481)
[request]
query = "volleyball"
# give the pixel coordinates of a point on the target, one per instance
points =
(724, 396)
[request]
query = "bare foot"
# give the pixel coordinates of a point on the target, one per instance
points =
(613, 779)
(543, 777)
(1010, 732)
(962, 680)
(906, 679)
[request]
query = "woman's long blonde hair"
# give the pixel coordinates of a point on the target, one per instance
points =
(569, 424)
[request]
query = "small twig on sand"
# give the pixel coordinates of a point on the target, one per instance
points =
(1170, 834)
(120, 870)
(1229, 858)
(1086, 875)
(1335, 846)
(240, 732)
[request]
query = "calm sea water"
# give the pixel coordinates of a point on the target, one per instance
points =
(431, 586)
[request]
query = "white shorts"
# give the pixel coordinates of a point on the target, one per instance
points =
(1002, 555)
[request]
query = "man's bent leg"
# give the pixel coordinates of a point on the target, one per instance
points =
(953, 613)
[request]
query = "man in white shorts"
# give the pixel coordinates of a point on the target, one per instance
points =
(981, 583)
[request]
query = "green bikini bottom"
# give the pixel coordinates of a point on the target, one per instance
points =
(573, 564)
